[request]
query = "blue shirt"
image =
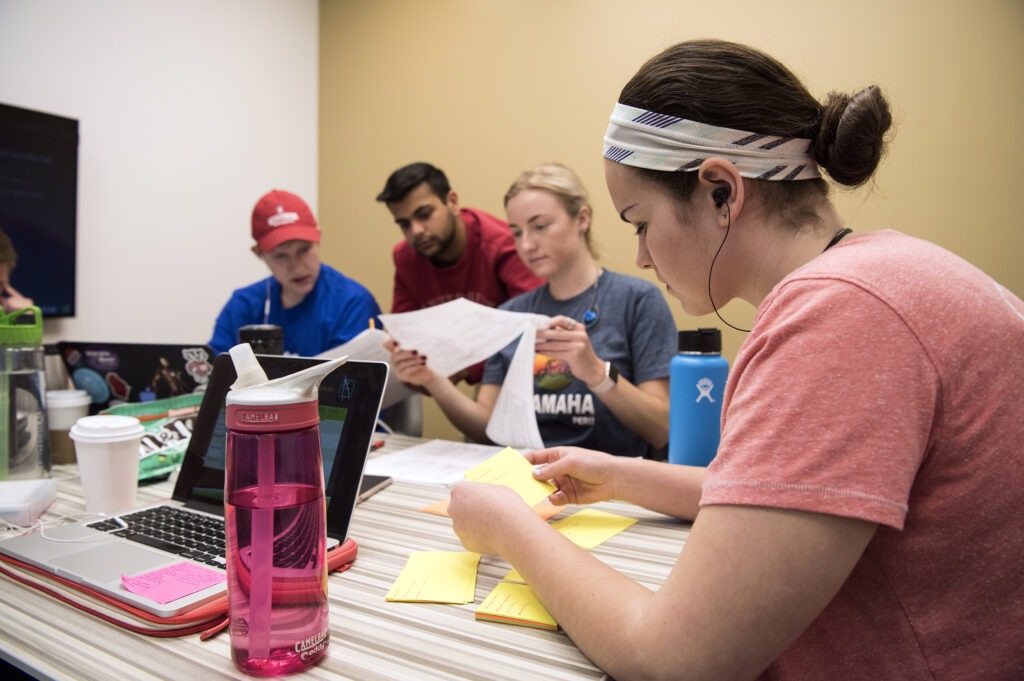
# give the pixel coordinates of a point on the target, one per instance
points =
(334, 312)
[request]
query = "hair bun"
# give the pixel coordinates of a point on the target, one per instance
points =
(852, 137)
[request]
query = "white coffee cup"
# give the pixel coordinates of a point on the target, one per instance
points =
(63, 408)
(107, 448)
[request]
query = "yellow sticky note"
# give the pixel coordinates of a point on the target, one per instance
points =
(437, 577)
(589, 528)
(513, 576)
(511, 603)
(511, 469)
(544, 509)
(438, 507)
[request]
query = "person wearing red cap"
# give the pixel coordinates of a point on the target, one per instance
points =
(316, 306)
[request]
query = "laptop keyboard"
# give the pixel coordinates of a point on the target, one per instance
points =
(174, 530)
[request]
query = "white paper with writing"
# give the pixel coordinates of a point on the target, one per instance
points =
(369, 346)
(461, 333)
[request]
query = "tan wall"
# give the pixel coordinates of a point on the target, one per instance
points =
(485, 88)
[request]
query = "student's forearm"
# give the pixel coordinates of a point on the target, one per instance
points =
(662, 487)
(464, 412)
(600, 609)
(742, 567)
(640, 411)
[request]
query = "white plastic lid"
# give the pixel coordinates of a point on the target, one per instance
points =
(67, 398)
(248, 371)
(106, 428)
(252, 388)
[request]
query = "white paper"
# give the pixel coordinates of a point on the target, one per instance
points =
(460, 333)
(437, 462)
(369, 346)
(508, 425)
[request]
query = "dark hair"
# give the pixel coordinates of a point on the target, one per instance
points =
(736, 86)
(407, 178)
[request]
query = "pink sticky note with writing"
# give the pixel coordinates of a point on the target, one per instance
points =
(172, 582)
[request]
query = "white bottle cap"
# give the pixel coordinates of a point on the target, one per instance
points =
(247, 367)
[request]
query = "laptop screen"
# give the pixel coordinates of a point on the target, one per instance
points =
(349, 398)
(114, 373)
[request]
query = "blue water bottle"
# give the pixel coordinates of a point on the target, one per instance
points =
(696, 385)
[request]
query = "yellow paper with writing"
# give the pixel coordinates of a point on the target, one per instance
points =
(544, 509)
(437, 577)
(512, 603)
(589, 528)
(511, 469)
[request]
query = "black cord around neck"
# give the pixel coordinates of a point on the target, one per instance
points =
(590, 312)
(837, 237)
(712, 269)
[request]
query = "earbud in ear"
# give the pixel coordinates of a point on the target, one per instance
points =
(720, 195)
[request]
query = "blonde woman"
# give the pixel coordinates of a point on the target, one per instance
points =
(601, 369)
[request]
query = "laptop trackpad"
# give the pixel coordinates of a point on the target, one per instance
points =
(108, 563)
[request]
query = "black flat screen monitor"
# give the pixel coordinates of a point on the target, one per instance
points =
(38, 199)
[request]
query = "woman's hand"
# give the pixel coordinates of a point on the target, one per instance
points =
(11, 300)
(582, 476)
(566, 339)
(482, 514)
(409, 366)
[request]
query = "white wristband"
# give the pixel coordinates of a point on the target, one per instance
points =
(611, 377)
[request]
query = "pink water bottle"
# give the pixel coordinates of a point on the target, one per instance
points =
(275, 519)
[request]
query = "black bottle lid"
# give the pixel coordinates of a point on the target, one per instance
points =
(265, 339)
(706, 340)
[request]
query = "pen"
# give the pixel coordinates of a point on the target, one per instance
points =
(376, 445)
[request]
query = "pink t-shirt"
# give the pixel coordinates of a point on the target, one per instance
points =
(884, 380)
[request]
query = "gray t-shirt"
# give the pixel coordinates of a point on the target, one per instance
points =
(633, 329)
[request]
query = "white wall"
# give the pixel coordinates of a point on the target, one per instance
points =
(188, 111)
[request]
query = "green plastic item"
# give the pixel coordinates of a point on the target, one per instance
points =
(14, 333)
(18, 333)
(167, 425)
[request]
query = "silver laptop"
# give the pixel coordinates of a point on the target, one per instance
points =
(97, 552)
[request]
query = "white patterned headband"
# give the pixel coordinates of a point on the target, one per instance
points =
(656, 141)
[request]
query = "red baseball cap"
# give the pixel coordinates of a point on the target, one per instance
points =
(281, 216)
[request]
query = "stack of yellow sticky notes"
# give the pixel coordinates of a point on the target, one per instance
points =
(512, 603)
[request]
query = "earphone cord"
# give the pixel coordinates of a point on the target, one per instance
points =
(266, 305)
(712, 269)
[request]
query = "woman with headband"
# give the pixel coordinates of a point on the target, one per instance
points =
(601, 368)
(861, 518)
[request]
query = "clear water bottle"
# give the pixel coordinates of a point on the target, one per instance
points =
(696, 385)
(24, 435)
(275, 519)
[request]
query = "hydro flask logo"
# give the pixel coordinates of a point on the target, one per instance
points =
(705, 385)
